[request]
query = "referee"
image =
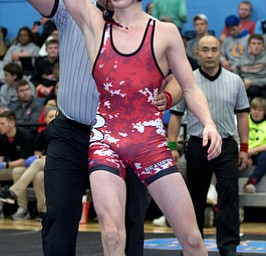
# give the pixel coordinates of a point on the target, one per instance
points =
(227, 97)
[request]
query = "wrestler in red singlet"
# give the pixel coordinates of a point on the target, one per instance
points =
(129, 128)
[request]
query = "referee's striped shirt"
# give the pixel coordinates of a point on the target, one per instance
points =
(77, 96)
(226, 96)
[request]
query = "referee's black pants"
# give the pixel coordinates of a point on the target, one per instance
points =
(199, 175)
(66, 179)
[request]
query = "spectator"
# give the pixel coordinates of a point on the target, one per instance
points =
(235, 45)
(3, 45)
(33, 173)
(261, 26)
(257, 143)
(13, 73)
(201, 29)
(24, 46)
(16, 145)
(171, 11)
(53, 35)
(43, 76)
(52, 102)
(226, 95)
(27, 108)
(252, 67)
(47, 27)
(244, 12)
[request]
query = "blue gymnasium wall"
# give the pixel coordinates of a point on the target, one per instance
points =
(15, 14)
(217, 11)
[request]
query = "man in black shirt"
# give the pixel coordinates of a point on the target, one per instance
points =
(16, 145)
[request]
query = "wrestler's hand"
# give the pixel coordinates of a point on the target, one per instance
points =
(175, 155)
(211, 134)
(160, 100)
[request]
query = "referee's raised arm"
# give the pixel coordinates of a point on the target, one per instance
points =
(43, 7)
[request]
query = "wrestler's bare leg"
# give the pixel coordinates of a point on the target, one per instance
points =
(109, 199)
(171, 195)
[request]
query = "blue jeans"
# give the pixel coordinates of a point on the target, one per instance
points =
(260, 162)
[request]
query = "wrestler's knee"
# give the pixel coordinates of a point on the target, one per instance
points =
(113, 239)
(192, 241)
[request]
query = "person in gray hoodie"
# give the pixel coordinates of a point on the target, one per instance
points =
(234, 47)
(252, 67)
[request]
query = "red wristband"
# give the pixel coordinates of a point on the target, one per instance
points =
(169, 100)
(244, 147)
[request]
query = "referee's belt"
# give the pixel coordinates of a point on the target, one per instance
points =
(200, 139)
(73, 123)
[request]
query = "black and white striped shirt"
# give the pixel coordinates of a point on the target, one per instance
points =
(77, 96)
(226, 96)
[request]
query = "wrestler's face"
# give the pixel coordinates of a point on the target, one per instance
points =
(106, 3)
(120, 4)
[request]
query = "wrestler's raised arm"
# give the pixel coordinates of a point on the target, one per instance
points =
(90, 21)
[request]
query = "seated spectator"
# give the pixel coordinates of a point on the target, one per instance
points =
(257, 143)
(27, 109)
(244, 13)
(53, 95)
(13, 73)
(3, 44)
(47, 26)
(201, 29)
(252, 67)
(235, 45)
(16, 145)
(261, 27)
(22, 47)
(171, 11)
(53, 35)
(43, 76)
(51, 103)
(33, 173)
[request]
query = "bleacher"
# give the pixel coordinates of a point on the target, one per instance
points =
(257, 199)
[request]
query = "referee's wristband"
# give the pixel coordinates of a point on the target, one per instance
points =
(172, 145)
(243, 147)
